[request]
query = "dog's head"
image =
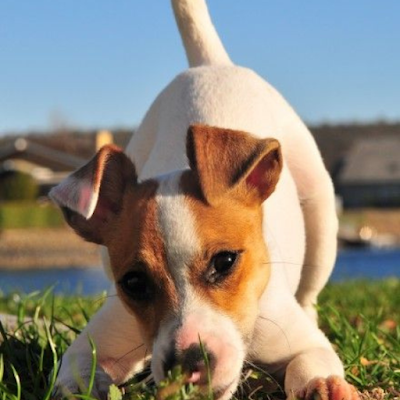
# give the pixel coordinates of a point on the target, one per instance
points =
(186, 249)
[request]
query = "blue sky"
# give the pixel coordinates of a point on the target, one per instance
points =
(100, 63)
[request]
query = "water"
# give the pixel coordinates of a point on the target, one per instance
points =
(367, 264)
(66, 281)
(351, 264)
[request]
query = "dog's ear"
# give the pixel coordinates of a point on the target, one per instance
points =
(234, 162)
(92, 195)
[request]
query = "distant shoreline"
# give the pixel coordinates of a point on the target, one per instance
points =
(24, 249)
(62, 248)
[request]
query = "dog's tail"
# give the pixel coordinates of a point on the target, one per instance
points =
(202, 43)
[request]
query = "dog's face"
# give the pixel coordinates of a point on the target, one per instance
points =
(186, 249)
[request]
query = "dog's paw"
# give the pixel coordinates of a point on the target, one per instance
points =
(331, 388)
(67, 389)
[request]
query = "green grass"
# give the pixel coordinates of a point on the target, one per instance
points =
(362, 320)
(29, 214)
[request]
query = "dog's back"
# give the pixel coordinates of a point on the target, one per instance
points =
(216, 92)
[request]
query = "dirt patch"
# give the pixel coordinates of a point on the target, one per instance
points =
(46, 248)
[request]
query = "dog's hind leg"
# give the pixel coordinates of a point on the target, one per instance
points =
(315, 371)
(316, 193)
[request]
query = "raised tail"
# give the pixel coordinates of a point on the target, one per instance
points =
(202, 43)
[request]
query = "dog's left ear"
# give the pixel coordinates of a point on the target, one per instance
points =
(92, 196)
(234, 162)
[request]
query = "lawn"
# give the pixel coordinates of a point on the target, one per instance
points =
(362, 320)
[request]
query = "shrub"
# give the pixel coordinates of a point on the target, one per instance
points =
(28, 214)
(15, 185)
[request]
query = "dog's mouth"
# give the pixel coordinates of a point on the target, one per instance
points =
(205, 385)
(218, 392)
(225, 391)
(208, 358)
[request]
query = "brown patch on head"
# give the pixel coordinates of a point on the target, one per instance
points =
(135, 245)
(215, 207)
(91, 196)
(232, 173)
(228, 226)
(226, 160)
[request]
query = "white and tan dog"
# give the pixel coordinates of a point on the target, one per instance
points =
(212, 234)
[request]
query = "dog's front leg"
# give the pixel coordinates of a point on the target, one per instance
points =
(311, 375)
(290, 343)
(120, 352)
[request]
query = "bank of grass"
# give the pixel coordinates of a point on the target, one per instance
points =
(29, 214)
(44, 214)
(362, 320)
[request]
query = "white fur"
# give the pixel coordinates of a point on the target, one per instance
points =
(194, 319)
(218, 93)
(177, 227)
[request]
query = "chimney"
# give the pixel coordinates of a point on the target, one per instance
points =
(103, 137)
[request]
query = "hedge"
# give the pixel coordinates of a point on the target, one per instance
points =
(28, 214)
(15, 185)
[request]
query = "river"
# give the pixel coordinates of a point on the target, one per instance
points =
(351, 264)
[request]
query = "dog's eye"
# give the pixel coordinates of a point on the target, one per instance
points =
(137, 285)
(221, 265)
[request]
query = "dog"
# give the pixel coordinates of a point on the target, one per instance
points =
(218, 226)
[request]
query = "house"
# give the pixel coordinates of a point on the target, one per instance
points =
(370, 174)
(46, 164)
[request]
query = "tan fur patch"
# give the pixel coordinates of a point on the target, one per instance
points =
(135, 242)
(224, 158)
(229, 226)
(136, 238)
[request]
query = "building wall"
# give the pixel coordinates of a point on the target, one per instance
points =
(370, 195)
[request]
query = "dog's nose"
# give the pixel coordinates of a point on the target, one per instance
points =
(197, 363)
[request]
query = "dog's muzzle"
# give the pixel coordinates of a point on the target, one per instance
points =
(197, 363)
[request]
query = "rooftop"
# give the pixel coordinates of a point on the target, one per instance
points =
(372, 161)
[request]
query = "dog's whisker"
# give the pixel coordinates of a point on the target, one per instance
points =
(284, 262)
(290, 263)
(145, 374)
(280, 328)
(127, 353)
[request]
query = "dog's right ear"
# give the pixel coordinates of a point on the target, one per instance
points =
(233, 162)
(92, 195)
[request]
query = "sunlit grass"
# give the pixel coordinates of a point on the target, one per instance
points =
(362, 320)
